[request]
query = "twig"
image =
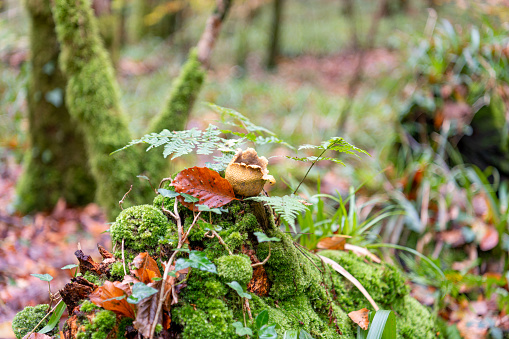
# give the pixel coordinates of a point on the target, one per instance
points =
(248, 309)
(164, 180)
(263, 262)
(214, 234)
(125, 196)
(167, 269)
(40, 322)
(123, 257)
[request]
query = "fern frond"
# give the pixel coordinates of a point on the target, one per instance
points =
(288, 206)
(179, 143)
(256, 134)
(334, 144)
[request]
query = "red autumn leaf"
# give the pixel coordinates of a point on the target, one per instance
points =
(108, 296)
(146, 268)
(360, 317)
(204, 184)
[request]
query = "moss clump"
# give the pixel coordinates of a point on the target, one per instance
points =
(235, 268)
(88, 306)
(28, 318)
(117, 271)
(203, 311)
(141, 227)
(98, 280)
(99, 327)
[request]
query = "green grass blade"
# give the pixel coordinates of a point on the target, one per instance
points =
(55, 318)
(383, 326)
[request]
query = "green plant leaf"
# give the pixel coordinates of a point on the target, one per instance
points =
(291, 334)
(262, 237)
(304, 335)
(262, 319)
(144, 177)
(197, 260)
(69, 267)
(140, 291)
(240, 291)
(383, 325)
(205, 208)
(267, 332)
(168, 193)
(43, 277)
(288, 206)
(55, 318)
(189, 198)
(241, 330)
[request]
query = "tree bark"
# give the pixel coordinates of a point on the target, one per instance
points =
(275, 34)
(54, 165)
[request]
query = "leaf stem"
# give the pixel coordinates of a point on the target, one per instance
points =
(309, 169)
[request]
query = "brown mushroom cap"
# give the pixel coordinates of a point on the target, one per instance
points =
(247, 173)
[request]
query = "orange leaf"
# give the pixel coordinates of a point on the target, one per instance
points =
(360, 317)
(108, 297)
(489, 239)
(146, 268)
(204, 184)
(332, 243)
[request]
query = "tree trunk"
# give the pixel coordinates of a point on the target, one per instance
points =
(55, 165)
(93, 99)
(275, 34)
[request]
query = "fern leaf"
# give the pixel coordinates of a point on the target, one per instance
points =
(288, 206)
(334, 144)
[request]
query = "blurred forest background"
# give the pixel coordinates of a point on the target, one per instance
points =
(422, 85)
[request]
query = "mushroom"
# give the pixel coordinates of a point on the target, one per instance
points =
(247, 173)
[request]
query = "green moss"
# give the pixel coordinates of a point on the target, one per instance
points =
(235, 240)
(88, 307)
(94, 278)
(235, 268)
(122, 327)
(117, 271)
(385, 283)
(414, 319)
(141, 227)
(25, 320)
(248, 223)
(99, 327)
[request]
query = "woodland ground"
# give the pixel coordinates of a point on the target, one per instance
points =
(302, 101)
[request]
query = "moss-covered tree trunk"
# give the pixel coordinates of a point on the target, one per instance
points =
(93, 99)
(55, 165)
(275, 34)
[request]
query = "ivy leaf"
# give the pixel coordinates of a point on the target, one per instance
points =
(205, 208)
(144, 177)
(189, 198)
(43, 277)
(267, 332)
(262, 319)
(55, 318)
(205, 186)
(262, 237)
(168, 193)
(291, 334)
(69, 267)
(288, 206)
(140, 291)
(304, 335)
(197, 260)
(240, 291)
(240, 330)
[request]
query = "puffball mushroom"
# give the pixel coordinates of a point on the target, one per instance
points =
(247, 173)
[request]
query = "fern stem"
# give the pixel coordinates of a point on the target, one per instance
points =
(309, 169)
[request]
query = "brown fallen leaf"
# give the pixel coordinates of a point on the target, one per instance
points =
(336, 242)
(147, 309)
(146, 268)
(78, 289)
(204, 184)
(360, 317)
(111, 297)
